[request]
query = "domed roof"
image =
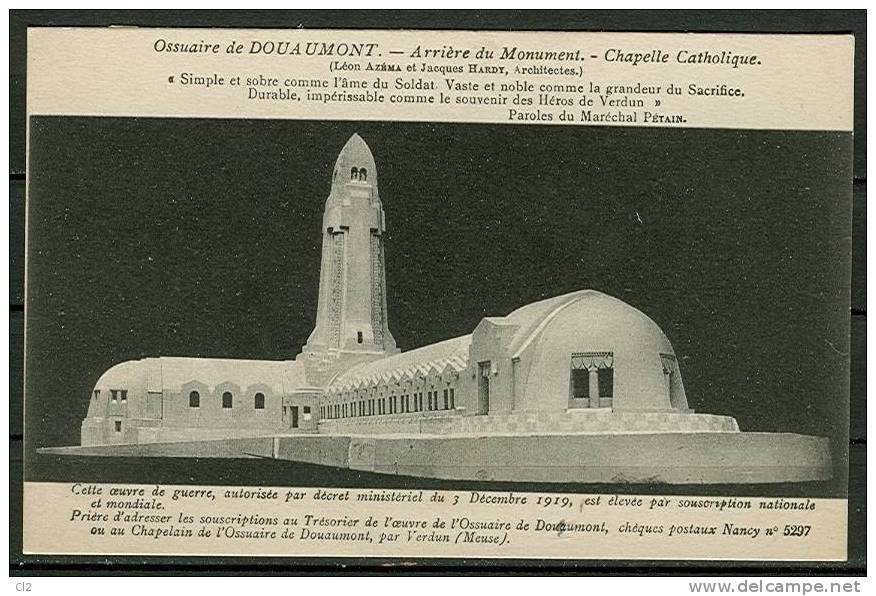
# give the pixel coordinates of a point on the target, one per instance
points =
(589, 324)
(125, 375)
(355, 154)
(171, 373)
(590, 312)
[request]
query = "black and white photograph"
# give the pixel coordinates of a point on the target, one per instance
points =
(354, 302)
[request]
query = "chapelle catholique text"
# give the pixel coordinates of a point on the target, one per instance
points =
(633, 57)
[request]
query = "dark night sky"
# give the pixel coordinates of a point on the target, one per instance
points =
(153, 237)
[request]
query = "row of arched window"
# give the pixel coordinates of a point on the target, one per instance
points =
(227, 400)
(359, 174)
(394, 404)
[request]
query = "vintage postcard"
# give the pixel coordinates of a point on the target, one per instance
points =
(437, 294)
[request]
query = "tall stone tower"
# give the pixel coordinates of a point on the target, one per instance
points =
(351, 319)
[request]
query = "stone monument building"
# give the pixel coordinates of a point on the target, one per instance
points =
(579, 362)
(581, 372)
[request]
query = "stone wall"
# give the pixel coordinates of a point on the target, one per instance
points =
(671, 458)
(224, 448)
(435, 422)
(599, 421)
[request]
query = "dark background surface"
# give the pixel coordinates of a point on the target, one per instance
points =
(167, 237)
(798, 21)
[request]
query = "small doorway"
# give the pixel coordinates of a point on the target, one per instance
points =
(290, 414)
(673, 380)
(484, 388)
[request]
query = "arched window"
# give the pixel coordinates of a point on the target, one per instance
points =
(354, 174)
(227, 400)
(363, 174)
(259, 401)
(194, 399)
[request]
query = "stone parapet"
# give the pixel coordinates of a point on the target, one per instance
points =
(589, 421)
(671, 458)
